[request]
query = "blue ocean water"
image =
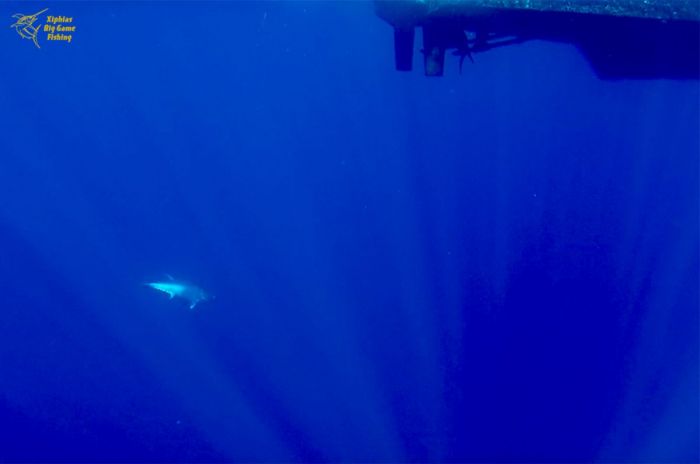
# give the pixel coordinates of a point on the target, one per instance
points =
(498, 266)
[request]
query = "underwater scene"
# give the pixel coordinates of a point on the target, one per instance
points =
(349, 231)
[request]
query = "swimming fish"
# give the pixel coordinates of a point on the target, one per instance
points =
(176, 288)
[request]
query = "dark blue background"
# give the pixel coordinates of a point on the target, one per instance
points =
(497, 266)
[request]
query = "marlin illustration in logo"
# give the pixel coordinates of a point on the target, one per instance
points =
(25, 25)
(186, 291)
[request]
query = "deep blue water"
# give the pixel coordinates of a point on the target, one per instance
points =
(497, 266)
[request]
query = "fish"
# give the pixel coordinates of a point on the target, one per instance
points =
(184, 290)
